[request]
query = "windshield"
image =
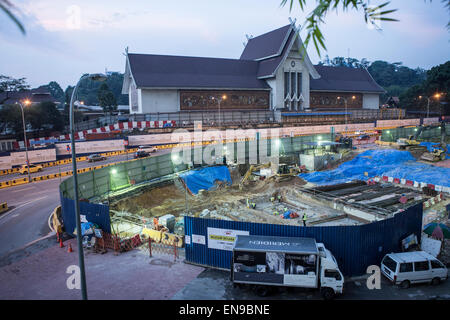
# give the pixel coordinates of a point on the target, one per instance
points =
(389, 263)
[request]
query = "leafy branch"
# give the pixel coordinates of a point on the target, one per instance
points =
(372, 14)
(7, 7)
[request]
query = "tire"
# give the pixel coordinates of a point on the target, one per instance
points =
(436, 281)
(405, 284)
(328, 293)
(262, 291)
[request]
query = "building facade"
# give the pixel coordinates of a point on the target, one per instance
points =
(272, 73)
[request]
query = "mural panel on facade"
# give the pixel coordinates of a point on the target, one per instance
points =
(335, 100)
(208, 100)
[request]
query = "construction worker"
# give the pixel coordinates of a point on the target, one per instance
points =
(304, 219)
(253, 205)
(279, 198)
(272, 199)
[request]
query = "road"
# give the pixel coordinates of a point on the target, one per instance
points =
(214, 284)
(31, 204)
(26, 220)
(68, 167)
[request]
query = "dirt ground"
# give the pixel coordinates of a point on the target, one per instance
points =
(226, 202)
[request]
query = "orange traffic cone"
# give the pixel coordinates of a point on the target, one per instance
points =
(61, 245)
(70, 248)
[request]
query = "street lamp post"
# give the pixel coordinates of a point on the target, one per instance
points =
(437, 96)
(27, 103)
(219, 100)
(345, 101)
(95, 77)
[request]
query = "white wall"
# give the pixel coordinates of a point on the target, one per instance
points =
(371, 101)
(277, 84)
(159, 100)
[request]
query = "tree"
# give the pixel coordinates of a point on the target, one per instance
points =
(372, 14)
(11, 120)
(106, 99)
(55, 90)
(436, 87)
(10, 84)
(45, 116)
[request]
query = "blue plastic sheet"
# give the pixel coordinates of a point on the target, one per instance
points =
(391, 163)
(205, 178)
(431, 146)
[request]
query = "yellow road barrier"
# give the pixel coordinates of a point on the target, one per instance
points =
(3, 207)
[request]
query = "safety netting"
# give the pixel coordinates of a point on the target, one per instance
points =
(391, 163)
(205, 178)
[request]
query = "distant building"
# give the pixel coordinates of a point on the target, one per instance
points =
(272, 73)
(392, 102)
(34, 95)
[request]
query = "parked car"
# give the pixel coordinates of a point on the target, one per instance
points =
(33, 168)
(141, 154)
(96, 157)
(364, 137)
(406, 268)
(147, 149)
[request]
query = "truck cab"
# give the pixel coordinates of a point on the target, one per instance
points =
(331, 278)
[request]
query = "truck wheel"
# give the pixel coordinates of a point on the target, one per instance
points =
(327, 293)
(435, 281)
(405, 284)
(262, 291)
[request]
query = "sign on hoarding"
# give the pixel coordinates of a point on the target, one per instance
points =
(223, 239)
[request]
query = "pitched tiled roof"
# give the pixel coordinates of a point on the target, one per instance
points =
(35, 96)
(266, 45)
(268, 67)
(161, 71)
(344, 79)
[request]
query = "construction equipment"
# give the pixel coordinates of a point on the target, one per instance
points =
(439, 153)
(410, 143)
(286, 172)
(250, 171)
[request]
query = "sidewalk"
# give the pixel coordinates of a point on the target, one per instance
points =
(131, 275)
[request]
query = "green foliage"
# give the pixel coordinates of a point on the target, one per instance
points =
(87, 91)
(8, 84)
(55, 90)
(40, 117)
(437, 82)
(106, 99)
(11, 119)
(316, 18)
(393, 77)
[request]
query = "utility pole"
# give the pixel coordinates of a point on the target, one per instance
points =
(26, 103)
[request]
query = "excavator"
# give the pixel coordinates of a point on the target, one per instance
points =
(250, 171)
(439, 153)
(410, 143)
(283, 172)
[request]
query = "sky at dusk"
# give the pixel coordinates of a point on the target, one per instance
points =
(65, 39)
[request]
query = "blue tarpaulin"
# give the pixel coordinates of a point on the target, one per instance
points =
(391, 163)
(205, 178)
(431, 146)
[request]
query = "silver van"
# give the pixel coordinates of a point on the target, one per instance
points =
(406, 268)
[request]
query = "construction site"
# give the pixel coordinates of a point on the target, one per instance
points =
(328, 184)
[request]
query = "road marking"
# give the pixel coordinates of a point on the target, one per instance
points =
(23, 204)
(19, 190)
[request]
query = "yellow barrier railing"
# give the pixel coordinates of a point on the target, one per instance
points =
(3, 207)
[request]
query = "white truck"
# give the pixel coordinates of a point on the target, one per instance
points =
(265, 262)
